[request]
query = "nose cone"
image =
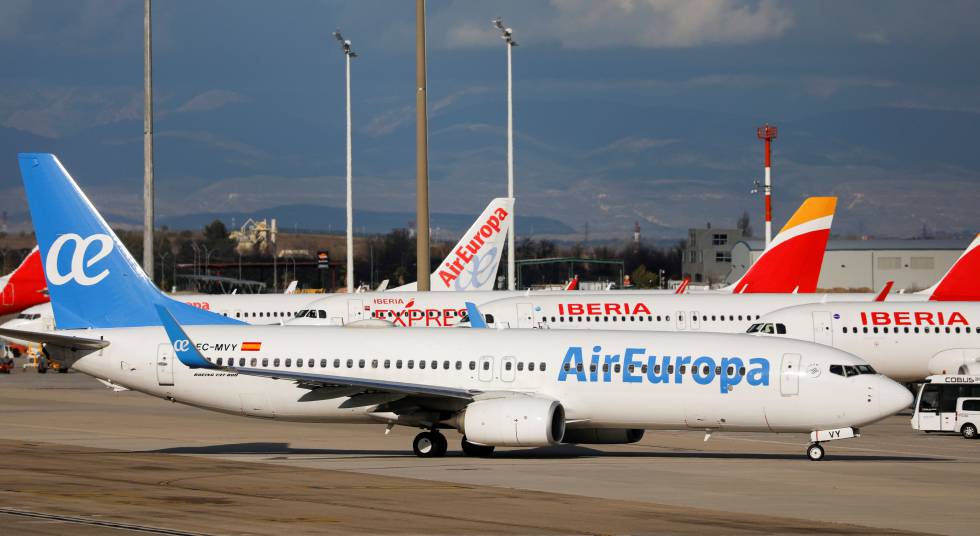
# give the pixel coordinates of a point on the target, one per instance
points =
(892, 396)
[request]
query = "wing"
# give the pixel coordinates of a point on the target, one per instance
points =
(328, 380)
(54, 339)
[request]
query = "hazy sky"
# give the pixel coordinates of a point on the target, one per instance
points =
(625, 110)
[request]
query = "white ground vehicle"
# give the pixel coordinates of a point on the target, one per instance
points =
(948, 404)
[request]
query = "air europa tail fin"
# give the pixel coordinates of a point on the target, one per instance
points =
(962, 280)
(472, 263)
(792, 261)
(93, 280)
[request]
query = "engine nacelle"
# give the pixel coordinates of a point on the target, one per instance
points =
(514, 422)
(956, 361)
(602, 436)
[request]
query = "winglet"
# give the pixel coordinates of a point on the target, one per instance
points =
(476, 318)
(884, 291)
(185, 349)
(682, 288)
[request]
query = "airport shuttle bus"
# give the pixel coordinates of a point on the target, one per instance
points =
(948, 404)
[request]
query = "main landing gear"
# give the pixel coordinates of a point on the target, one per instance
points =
(430, 445)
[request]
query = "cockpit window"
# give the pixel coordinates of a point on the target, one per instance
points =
(767, 328)
(754, 328)
(321, 313)
(781, 329)
(852, 370)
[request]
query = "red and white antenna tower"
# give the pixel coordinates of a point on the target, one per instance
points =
(767, 133)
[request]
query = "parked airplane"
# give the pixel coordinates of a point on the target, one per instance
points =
(23, 287)
(499, 388)
(710, 311)
(906, 341)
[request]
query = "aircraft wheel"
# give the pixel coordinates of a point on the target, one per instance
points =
(429, 445)
(969, 431)
(476, 451)
(815, 452)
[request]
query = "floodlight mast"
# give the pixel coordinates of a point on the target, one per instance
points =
(507, 34)
(348, 54)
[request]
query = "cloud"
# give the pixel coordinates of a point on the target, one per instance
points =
(211, 100)
(389, 121)
(667, 23)
(633, 145)
(57, 112)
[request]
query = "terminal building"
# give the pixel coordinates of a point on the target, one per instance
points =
(856, 265)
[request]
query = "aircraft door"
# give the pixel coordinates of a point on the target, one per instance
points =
(927, 409)
(355, 310)
(695, 320)
(823, 332)
(681, 323)
(165, 364)
(525, 315)
(789, 377)
(8, 293)
(508, 366)
(486, 368)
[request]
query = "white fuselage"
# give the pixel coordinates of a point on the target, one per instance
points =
(905, 341)
(711, 312)
(787, 388)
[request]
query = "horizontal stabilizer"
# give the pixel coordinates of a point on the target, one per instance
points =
(54, 339)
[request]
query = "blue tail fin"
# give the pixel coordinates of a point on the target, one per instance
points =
(93, 280)
(476, 317)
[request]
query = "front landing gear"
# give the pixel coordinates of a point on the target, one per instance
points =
(815, 451)
(430, 445)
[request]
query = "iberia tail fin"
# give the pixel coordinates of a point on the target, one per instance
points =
(792, 261)
(962, 280)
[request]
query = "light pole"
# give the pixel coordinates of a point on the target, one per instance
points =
(348, 54)
(507, 35)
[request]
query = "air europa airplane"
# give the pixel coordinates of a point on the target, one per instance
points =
(470, 269)
(906, 341)
(498, 388)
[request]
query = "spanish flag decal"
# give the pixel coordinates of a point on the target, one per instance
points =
(251, 346)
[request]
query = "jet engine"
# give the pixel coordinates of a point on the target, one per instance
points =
(513, 422)
(956, 361)
(602, 436)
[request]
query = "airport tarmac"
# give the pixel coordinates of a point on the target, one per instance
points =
(76, 456)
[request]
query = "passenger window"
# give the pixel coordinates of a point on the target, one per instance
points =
(253, 362)
(336, 363)
(265, 361)
(299, 363)
(360, 363)
(219, 361)
(275, 362)
(421, 364)
(323, 363)
(387, 363)
(445, 365)
(398, 364)
(411, 363)
(486, 365)
(289, 362)
(459, 365)
(434, 364)
(507, 365)
(472, 365)
(541, 368)
(374, 363)
(350, 363)
(520, 366)
(310, 363)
